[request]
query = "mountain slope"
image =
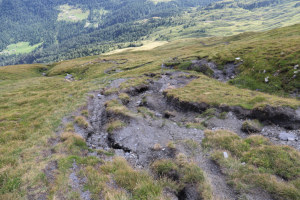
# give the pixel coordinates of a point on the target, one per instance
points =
(58, 24)
(62, 137)
(70, 29)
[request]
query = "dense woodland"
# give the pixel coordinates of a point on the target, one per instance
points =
(36, 21)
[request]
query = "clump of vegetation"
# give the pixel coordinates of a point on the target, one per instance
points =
(69, 127)
(113, 106)
(185, 65)
(171, 145)
(255, 161)
(199, 126)
(192, 145)
(209, 113)
(124, 98)
(251, 126)
(81, 122)
(146, 112)
(110, 91)
(138, 183)
(85, 113)
(184, 174)
(114, 125)
(74, 142)
(222, 115)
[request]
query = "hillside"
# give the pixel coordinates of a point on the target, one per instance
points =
(47, 31)
(162, 122)
(71, 28)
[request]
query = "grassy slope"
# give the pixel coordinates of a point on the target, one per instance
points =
(231, 19)
(276, 51)
(255, 162)
(32, 106)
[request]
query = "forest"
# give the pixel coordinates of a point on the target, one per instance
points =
(74, 28)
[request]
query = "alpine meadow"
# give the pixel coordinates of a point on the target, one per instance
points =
(149, 100)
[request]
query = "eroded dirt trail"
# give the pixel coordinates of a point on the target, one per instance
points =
(163, 124)
(155, 123)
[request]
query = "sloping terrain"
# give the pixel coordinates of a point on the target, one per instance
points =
(60, 30)
(153, 124)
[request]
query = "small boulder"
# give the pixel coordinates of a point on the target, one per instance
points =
(251, 126)
(267, 79)
(287, 136)
(225, 154)
(69, 77)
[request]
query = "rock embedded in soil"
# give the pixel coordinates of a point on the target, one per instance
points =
(287, 136)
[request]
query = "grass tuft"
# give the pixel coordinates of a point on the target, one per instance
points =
(81, 122)
(114, 125)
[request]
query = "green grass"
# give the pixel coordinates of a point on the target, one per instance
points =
(20, 48)
(114, 125)
(263, 163)
(114, 107)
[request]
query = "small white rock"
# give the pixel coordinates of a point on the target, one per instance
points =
(267, 79)
(225, 154)
(238, 58)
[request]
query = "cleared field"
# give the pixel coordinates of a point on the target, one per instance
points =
(19, 48)
(72, 14)
(146, 46)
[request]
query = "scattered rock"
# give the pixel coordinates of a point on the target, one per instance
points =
(158, 115)
(251, 126)
(225, 154)
(69, 77)
(139, 103)
(287, 136)
(267, 79)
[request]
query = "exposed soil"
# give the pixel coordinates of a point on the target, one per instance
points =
(77, 183)
(145, 137)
